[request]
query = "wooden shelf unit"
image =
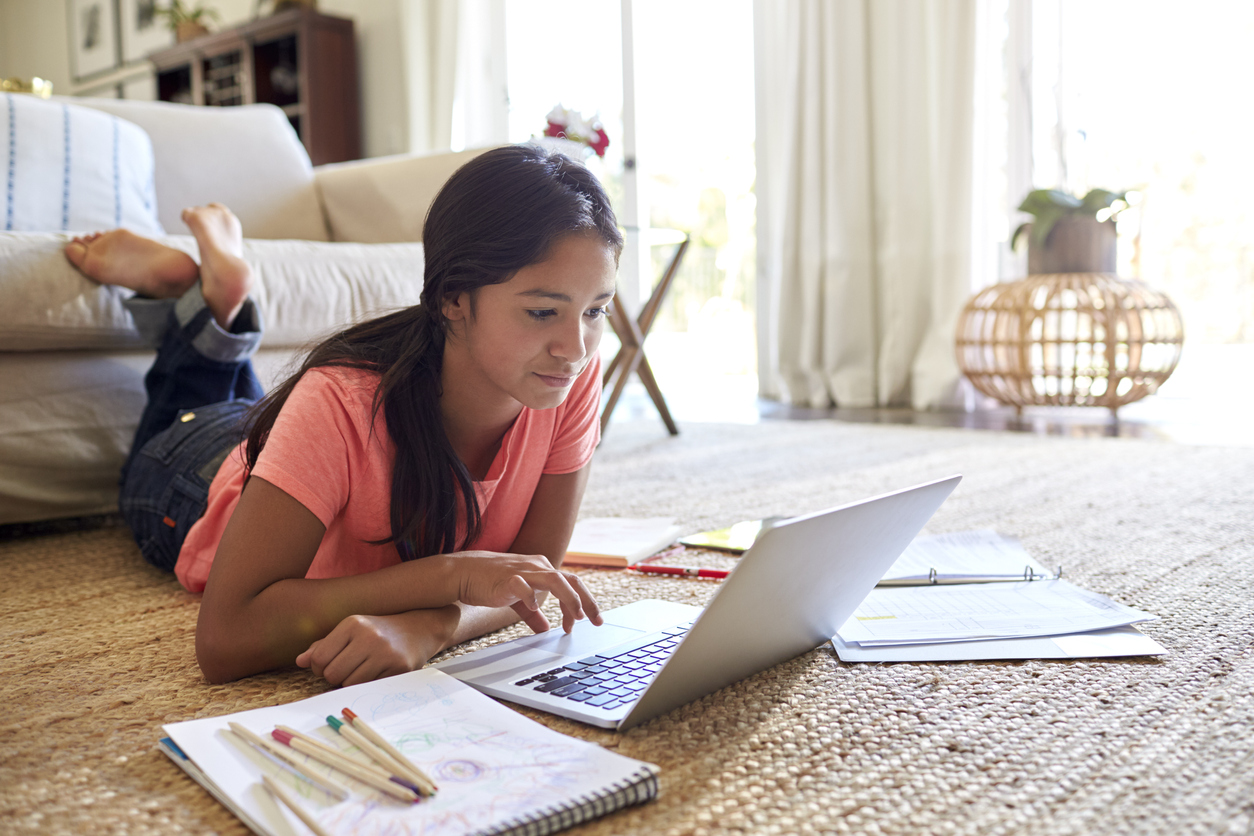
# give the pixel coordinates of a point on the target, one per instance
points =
(302, 61)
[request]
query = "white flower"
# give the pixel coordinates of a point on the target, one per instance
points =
(559, 115)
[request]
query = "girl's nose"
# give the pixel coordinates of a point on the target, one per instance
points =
(569, 342)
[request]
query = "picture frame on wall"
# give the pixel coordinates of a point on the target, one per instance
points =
(93, 37)
(143, 31)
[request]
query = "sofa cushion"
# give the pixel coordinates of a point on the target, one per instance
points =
(385, 199)
(247, 157)
(305, 289)
(70, 168)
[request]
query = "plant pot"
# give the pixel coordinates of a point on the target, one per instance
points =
(186, 30)
(1075, 245)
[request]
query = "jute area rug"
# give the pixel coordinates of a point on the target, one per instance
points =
(97, 654)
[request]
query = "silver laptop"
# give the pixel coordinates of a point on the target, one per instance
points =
(788, 594)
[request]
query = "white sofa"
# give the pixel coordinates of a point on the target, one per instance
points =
(332, 245)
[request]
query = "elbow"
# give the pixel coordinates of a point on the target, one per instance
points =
(213, 657)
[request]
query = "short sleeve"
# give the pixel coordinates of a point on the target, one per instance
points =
(578, 430)
(322, 430)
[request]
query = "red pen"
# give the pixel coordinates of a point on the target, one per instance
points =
(687, 571)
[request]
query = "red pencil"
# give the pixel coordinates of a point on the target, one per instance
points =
(687, 571)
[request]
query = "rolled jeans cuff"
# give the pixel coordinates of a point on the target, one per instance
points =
(211, 340)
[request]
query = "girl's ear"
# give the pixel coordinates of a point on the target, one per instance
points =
(456, 307)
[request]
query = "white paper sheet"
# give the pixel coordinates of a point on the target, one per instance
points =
(920, 614)
(963, 554)
(1119, 641)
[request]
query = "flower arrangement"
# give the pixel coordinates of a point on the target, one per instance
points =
(571, 125)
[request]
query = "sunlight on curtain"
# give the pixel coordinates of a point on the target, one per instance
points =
(694, 129)
(1153, 96)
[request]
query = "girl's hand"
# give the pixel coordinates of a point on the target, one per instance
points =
(493, 579)
(362, 648)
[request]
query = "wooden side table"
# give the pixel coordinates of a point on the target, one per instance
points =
(632, 332)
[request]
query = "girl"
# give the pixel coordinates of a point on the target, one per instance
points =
(416, 482)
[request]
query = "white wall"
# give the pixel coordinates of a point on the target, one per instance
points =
(34, 41)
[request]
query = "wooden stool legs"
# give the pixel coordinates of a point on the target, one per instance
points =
(630, 357)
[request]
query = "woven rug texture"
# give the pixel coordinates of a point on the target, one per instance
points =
(96, 653)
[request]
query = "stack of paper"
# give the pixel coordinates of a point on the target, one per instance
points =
(956, 609)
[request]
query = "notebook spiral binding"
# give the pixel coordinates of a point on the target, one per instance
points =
(640, 787)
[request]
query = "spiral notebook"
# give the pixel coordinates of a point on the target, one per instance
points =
(498, 772)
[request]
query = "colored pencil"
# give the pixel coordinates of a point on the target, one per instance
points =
(322, 744)
(382, 757)
(385, 771)
(293, 763)
(367, 775)
(361, 726)
(281, 794)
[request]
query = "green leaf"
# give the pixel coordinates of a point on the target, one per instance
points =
(1014, 238)
(1048, 201)
(1099, 199)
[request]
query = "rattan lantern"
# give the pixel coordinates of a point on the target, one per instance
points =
(1069, 339)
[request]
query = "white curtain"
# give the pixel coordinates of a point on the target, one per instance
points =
(865, 132)
(455, 73)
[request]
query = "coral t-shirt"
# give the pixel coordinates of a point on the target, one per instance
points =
(321, 452)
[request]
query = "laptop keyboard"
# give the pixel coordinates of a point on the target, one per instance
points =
(609, 681)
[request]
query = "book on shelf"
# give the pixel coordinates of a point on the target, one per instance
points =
(618, 541)
(496, 770)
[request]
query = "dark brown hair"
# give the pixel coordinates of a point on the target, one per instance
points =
(500, 212)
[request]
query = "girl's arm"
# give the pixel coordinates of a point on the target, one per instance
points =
(259, 611)
(364, 648)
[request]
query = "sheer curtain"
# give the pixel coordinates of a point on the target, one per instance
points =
(455, 73)
(865, 146)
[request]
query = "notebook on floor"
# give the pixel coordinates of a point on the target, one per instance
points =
(788, 594)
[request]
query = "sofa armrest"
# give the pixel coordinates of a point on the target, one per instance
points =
(384, 200)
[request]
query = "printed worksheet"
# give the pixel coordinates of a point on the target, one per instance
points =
(963, 612)
(973, 555)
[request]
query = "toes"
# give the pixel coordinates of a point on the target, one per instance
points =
(76, 252)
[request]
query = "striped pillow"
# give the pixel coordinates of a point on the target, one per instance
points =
(73, 169)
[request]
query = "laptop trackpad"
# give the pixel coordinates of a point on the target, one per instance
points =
(540, 649)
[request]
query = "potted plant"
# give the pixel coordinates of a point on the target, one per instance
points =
(1069, 234)
(187, 19)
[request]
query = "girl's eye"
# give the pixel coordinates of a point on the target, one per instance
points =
(542, 315)
(597, 313)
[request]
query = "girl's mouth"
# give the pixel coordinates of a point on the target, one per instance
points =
(555, 380)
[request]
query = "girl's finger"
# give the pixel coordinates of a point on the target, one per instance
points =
(532, 618)
(590, 607)
(367, 671)
(572, 608)
(522, 592)
(344, 664)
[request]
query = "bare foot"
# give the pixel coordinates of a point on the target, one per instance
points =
(225, 278)
(122, 258)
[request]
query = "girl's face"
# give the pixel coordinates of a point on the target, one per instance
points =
(527, 339)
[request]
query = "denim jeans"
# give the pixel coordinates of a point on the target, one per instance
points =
(199, 388)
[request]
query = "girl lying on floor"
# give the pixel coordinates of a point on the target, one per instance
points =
(416, 482)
